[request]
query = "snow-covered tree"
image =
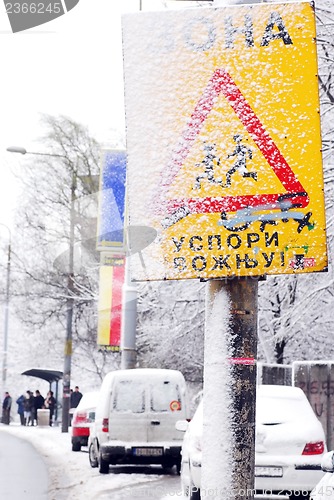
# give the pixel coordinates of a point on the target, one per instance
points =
(69, 166)
(170, 331)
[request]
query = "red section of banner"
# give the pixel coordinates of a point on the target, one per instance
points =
(116, 305)
(222, 83)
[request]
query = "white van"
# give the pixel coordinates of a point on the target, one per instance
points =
(135, 418)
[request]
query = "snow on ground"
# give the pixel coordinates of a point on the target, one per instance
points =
(70, 474)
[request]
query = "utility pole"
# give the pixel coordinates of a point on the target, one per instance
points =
(230, 357)
(6, 314)
(69, 313)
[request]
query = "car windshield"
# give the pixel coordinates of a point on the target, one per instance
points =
(273, 410)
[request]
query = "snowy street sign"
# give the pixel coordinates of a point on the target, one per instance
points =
(224, 141)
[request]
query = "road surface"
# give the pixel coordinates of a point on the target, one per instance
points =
(23, 474)
(168, 486)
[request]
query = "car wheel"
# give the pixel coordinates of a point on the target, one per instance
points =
(92, 456)
(103, 466)
(167, 467)
(76, 446)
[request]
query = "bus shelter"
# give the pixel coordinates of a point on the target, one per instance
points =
(53, 377)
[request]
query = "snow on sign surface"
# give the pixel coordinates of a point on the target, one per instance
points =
(224, 142)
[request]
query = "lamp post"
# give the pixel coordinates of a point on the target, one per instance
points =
(6, 316)
(70, 292)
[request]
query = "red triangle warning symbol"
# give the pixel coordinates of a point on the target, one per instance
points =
(176, 209)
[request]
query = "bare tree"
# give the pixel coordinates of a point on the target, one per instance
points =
(170, 330)
(42, 239)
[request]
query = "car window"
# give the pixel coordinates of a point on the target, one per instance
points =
(129, 396)
(271, 410)
(165, 395)
(88, 400)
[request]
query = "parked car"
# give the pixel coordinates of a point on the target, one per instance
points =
(324, 490)
(289, 445)
(135, 420)
(83, 417)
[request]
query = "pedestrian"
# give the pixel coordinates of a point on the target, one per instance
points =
(6, 406)
(28, 405)
(50, 403)
(20, 408)
(75, 397)
(38, 404)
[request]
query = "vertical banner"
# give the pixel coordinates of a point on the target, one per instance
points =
(110, 302)
(111, 243)
(110, 230)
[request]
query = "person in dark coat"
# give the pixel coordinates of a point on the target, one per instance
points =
(28, 408)
(20, 408)
(75, 397)
(6, 406)
(50, 403)
(38, 404)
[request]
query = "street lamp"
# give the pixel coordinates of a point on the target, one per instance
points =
(5, 331)
(70, 290)
(23, 151)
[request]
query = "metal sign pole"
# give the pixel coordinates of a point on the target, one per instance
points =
(129, 317)
(230, 388)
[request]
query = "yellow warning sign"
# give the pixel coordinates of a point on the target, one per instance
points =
(226, 134)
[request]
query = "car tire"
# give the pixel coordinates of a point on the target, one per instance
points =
(167, 467)
(76, 446)
(92, 456)
(103, 466)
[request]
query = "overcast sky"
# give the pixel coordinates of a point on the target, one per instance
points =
(70, 66)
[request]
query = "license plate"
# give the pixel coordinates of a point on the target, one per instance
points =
(268, 471)
(147, 452)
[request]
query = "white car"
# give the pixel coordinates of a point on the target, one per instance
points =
(136, 413)
(290, 443)
(324, 490)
